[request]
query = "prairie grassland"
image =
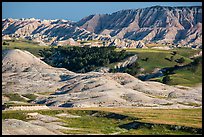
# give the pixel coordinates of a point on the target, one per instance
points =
(157, 59)
(182, 117)
(24, 45)
(113, 120)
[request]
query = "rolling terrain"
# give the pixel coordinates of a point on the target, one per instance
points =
(24, 73)
(157, 59)
(28, 81)
(132, 72)
(73, 103)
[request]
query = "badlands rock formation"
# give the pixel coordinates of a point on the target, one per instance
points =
(119, 65)
(93, 89)
(125, 28)
(25, 73)
(125, 63)
(57, 32)
(161, 24)
(70, 41)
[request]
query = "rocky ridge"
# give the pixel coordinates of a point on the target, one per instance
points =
(58, 32)
(175, 25)
(178, 26)
(93, 89)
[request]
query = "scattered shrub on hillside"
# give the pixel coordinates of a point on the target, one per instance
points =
(145, 59)
(5, 43)
(15, 97)
(30, 96)
(197, 61)
(168, 59)
(195, 64)
(171, 58)
(174, 53)
(166, 79)
(132, 69)
(180, 60)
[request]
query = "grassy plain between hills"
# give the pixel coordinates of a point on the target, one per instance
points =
(30, 46)
(112, 120)
(156, 59)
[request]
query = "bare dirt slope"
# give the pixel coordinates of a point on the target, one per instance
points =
(93, 89)
(25, 73)
(38, 125)
(19, 127)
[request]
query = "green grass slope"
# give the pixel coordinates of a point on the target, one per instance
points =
(118, 120)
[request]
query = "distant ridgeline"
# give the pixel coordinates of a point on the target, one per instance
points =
(136, 28)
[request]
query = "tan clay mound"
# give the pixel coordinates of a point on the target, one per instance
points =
(23, 72)
(18, 60)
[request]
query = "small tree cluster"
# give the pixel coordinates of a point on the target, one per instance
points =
(166, 79)
(82, 59)
(5, 43)
(180, 60)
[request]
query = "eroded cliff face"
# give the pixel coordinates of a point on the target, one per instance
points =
(162, 24)
(126, 28)
(47, 31)
(58, 32)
